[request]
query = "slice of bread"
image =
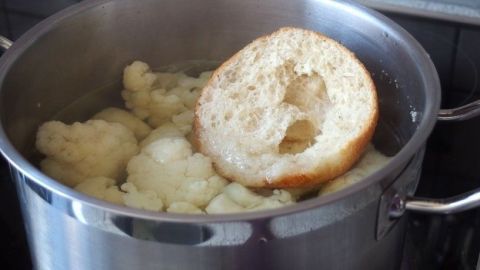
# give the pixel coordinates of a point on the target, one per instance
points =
(291, 109)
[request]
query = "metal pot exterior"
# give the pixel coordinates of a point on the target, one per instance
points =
(67, 234)
(86, 47)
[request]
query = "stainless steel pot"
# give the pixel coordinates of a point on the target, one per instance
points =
(85, 48)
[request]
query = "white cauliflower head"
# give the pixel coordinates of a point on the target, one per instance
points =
(115, 115)
(181, 127)
(371, 161)
(167, 130)
(84, 150)
(163, 107)
(137, 77)
(188, 88)
(184, 121)
(145, 96)
(168, 167)
(102, 188)
(237, 198)
(142, 199)
(156, 97)
(184, 208)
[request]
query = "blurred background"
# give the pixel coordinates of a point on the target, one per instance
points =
(17, 16)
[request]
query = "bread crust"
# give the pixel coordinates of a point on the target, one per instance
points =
(350, 153)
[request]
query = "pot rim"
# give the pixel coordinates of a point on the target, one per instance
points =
(430, 81)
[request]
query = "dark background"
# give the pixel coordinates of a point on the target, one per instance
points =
(451, 165)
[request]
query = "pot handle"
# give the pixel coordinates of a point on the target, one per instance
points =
(450, 205)
(5, 43)
(453, 204)
(460, 113)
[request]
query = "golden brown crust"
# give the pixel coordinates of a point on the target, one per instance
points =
(350, 153)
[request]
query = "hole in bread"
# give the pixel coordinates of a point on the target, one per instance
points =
(213, 121)
(228, 116)
(299, 136)
(305, 90)
(260, 78)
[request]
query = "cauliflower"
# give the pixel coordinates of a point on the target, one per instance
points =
(147, 199)
(146, 101)
(237, 198)
(184, 208)
(168, 167)
(184, 121)
(167, 130)
(166, 175)
(371, 161)
(115, 115)
(189, 88)
(191, 83)
(167, 80)
(84, 150)
(222, 204)
(137, 77)
(102, 188)
(157, 97)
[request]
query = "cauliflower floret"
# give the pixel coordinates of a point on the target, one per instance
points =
(157, 97)
(167, 130)
(168, 167)
(84, 150)
(189, 88)
(145, 96)
(146, 199)
(102, 188)
(187, 96)
(137, 77)
(371, 161)
(184, 208)
(167, 80)
(237, 198)
(222, 204)
(200, 82)
(115, 115)
(163, 107)
(184, 121)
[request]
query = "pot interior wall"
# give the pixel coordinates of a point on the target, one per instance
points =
(87, 51)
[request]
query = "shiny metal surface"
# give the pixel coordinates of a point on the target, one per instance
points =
(454, 11)
(52, 66)
(5, 43)
(451, 205)
(84, 237)
(392, 200)
(464, 112)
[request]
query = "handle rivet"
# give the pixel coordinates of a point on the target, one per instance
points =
(397, 206)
